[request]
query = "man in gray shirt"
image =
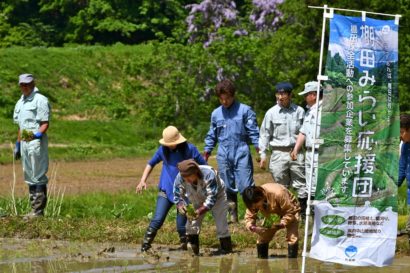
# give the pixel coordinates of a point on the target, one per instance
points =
(278, 133)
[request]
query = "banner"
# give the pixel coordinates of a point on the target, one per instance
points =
(355, 205)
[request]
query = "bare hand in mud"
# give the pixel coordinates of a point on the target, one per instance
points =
(258, 230)
(278, 226)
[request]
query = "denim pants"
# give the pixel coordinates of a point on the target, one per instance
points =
(161, 211)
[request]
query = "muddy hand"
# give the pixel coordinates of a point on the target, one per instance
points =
(258, 230)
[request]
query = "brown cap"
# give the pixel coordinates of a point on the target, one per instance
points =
(171, 136)
(188, 167)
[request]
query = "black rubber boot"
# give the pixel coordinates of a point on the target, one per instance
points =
(38, 200)
(183, 241)
(293, 250)
(226, 245)
(303, 206)
(232, 207)
(193, 244)
(262, 250)
(148, 238)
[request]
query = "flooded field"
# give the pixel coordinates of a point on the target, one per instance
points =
(44, 256)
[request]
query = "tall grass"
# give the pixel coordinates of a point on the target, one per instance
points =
(55, 194)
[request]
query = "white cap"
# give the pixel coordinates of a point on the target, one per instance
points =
(309, 87)
(26, 78)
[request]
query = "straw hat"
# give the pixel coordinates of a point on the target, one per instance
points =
(171, 137)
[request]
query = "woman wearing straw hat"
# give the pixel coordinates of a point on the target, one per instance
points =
(174, 149)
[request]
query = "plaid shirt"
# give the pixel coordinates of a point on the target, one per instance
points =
(205, 192)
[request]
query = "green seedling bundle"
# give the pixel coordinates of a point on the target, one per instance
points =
(190, 212)
(27, 135)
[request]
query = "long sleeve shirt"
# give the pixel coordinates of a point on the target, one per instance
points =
(280, 127)
(236, 124)
(309, 122)
(280, 201)
(206, 191)
(169, 166)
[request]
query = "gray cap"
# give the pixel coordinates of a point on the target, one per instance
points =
(26, 78)
(309, 87)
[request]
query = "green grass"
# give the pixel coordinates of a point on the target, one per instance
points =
(93, 139)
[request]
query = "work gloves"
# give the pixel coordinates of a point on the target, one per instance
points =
(38, 135)
(17, 152)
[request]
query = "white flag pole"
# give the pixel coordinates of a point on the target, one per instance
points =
(360, 11)
(320, 77)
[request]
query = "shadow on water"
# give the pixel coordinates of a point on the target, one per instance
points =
(44, 256)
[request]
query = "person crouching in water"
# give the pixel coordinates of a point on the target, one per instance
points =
(272, 198)
(201, 186)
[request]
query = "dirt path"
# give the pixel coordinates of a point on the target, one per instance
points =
(94, 176)
(82, 177)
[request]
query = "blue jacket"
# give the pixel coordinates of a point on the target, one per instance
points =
(234, 125)
(169, 166)
(404, 168)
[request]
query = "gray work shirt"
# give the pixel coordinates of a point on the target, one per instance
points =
(280, 127)
(309, 124)
(29, 112)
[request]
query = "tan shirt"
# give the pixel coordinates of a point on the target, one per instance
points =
(280, 201)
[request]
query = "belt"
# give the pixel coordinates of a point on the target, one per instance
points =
(282, 149)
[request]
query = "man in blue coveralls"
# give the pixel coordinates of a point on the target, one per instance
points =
(233, 126)
(32, 114)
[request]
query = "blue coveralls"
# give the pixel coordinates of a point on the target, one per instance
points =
(233, 128)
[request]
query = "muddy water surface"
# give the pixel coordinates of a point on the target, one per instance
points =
(38, 256)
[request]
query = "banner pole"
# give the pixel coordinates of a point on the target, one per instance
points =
(319, 78)
(353, 10)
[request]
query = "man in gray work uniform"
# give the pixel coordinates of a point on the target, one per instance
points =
(278, 133)
(32, 115)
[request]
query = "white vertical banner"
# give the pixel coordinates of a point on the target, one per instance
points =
(355, 210)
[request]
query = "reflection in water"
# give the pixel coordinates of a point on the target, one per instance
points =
(45, 256)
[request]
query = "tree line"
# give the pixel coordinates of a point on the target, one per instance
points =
(257, 43)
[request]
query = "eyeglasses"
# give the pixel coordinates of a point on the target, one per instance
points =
(25, 84)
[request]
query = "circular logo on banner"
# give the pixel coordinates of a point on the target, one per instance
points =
(351, 251)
